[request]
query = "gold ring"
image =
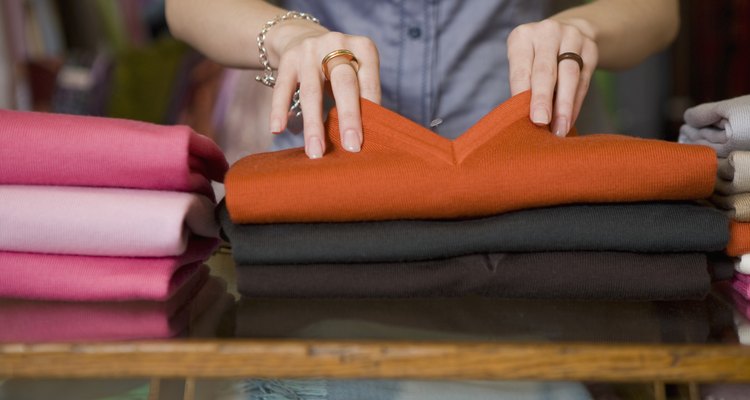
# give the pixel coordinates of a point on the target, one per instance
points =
(571, 56)
(335, 54)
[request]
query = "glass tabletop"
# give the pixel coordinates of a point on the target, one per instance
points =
(219, 326)
(217, 311)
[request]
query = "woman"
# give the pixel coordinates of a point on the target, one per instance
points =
(441, 63)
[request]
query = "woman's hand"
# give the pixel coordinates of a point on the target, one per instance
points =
(557, 89)
(297, 49)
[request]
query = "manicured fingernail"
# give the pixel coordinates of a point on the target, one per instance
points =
(314, 148)
(561, 127)
(275, 126)
(540, 117)
(351, 141)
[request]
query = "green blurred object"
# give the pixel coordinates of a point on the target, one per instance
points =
(605, 81)
(112, 24)
(144, 80)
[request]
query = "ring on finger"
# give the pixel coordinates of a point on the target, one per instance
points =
(571, 56)
(348, 55)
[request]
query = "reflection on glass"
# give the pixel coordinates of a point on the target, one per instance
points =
(474, 318)
(195, 310)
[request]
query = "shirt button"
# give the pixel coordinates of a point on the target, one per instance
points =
(415, 32)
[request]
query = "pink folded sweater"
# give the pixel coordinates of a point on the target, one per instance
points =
(102, 221)
(72, 150)
(36, 276)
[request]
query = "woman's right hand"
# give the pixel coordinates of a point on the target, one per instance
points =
(296, 49)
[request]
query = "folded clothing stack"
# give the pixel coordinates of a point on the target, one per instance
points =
(414, 214)
(102, 209)
(725, 126)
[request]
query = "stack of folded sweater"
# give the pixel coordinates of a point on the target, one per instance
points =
(505, 210)
(725, 126)
(99, 209)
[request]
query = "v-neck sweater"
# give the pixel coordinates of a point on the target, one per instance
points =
(502, 163)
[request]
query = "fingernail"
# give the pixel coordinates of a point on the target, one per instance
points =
(540, 117)
(561, 127)
(275, 126)
(315, 148)
(351, 141)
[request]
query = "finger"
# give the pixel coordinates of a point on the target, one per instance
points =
(345, 88)
(286, 84)
(543, 78)
(590, 56)
(568, 77)
(520, 60)
(369, 69)
(311, 98)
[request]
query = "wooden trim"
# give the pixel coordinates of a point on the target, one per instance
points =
(371, 359)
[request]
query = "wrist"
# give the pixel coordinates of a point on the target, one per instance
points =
(585, 26)
(286, 34)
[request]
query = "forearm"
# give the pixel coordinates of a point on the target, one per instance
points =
(625, 31)
(226, 30)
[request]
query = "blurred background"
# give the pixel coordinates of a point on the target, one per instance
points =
(71, 56)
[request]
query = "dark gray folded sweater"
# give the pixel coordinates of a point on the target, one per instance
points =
(638, 227)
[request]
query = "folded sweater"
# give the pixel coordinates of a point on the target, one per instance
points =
(502, 163)
(734, 173)
(739, 238)
(736, 206)
(102, 221)
(73, 150)
(37, 276)
(723, 125)
(637, 227)
(741, 284)
(553, 275)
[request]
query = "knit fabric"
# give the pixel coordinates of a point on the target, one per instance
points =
(737, 206)
(741, 284)
(723, 125)
(739, 238)
(102, 221)
(740, 303)
(71, 150)
(37, 276)
(47, 321)
(639, 227)
(503, 163)
(742, 264)
(721, 267)
(734, 173)
(743, 331)
(558, 275)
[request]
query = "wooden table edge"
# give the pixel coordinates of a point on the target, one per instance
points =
(282, 358)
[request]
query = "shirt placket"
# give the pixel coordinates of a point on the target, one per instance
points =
(416, 96)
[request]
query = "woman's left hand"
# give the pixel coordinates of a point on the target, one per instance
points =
(557, 89)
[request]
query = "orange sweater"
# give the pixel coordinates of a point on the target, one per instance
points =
(503, 163)
(739, 238)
